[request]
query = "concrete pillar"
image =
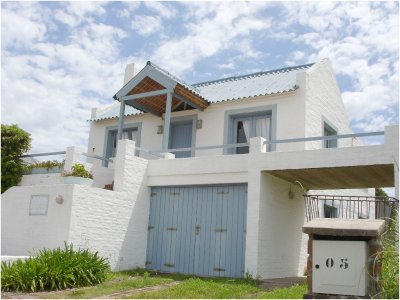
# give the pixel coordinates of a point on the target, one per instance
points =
(167, 155)
(253, 220)
(73, 155)
(121, 120)
(123, 164)
(392, 146)
(257, 145)
(167, 122)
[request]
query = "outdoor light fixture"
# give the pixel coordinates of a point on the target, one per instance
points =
(160, 129)
(59, 199)
(199, 124)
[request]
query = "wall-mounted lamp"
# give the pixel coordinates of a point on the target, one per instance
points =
(60, 199)
(160, 129)
(199, 124)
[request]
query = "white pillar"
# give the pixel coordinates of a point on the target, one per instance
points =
(73, 155)
(124, 165)
(257, 145)
(167, 122)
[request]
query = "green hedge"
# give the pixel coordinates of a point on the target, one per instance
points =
(54, 269)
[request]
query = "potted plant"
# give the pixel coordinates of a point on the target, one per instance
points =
(45, 167)
(78, 175)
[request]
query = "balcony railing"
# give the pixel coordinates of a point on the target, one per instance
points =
(350, 207)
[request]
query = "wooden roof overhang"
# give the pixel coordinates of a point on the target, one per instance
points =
(148, 90)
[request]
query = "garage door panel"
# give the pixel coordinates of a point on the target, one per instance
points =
(198, 230)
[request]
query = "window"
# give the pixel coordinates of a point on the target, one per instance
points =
(330, 211)
(248, 127)
(328, 131)
(129, 134)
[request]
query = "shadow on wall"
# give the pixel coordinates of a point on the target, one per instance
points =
(281, 221)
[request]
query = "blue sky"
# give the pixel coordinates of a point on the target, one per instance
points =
(60, 59)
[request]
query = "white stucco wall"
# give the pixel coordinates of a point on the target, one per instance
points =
(290, 116)
(21, 233)
(41, 179)
(114, 223)
(324, 101)
(280, 234)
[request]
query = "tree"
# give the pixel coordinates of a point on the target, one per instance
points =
(14, 142)
(379, 192)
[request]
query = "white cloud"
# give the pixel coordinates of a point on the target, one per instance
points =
(51, 86)
(230, 65)
(164, 10)
(212, 33)
(23, 26)
(146, 25)
(362, 41)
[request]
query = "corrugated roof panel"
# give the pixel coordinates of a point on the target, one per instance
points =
(258, 84)
(112, 111)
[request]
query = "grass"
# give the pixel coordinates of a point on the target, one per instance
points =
(390, 261)
(190, 287)
(195, 288)
(115, 283)
(294, 292)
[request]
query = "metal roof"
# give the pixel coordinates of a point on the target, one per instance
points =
(112, 111)
(226, 89)
(251, 85)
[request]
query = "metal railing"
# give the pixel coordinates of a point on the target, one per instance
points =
(350, 207)
(63, 153)
(271, 142)
(326, 138)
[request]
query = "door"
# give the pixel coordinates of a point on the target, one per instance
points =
(198, 230)
(181, 137)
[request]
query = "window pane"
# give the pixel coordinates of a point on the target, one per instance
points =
(328, 131)
(242, 135)
(262, 127)
(330, 211)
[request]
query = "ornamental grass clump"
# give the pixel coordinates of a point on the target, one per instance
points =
(54, 269)
(390, 260)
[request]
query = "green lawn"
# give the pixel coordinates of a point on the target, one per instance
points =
(204, 288)
(293, 292)
(189, 287)
(116, 282)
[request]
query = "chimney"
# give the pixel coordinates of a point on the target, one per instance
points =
(129, 72)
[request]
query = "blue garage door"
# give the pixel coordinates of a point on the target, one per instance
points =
(198, 230)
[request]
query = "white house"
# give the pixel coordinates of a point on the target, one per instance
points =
(208, 178)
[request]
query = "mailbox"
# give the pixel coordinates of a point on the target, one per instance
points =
(340, 267)
(343, 258)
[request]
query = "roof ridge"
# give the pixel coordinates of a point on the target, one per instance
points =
(281, 70)
(149, 63)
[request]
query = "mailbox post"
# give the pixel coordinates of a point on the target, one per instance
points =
(343, 259)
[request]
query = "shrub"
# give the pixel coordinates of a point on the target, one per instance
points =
(79, 170)
(48, 164)
(14, 142)
(54, 269)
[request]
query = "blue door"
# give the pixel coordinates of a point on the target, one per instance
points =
(198, 230)
(181, 137)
